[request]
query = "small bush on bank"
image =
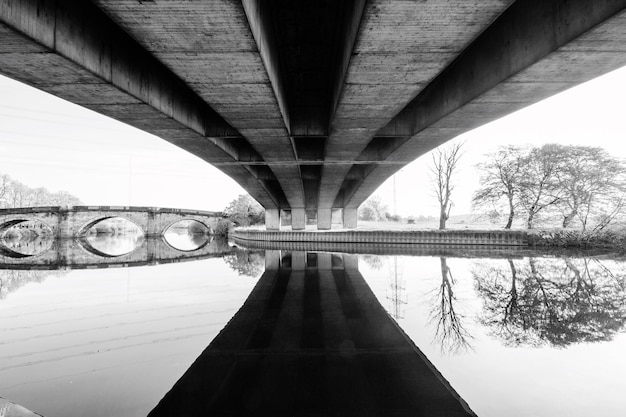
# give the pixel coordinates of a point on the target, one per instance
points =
(223, 227)
(578, 238)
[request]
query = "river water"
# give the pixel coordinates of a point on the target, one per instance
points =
(515, 333)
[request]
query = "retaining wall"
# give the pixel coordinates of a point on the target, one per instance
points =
(432, 237)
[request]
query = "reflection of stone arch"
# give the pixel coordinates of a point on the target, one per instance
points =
(84, 229)
(10, 253)
(19, 220)
(86, 246)
(9, 224)
(174, 248)
(203, 222)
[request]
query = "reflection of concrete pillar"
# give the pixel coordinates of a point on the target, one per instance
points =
(272, 219)
(350, 262)
(298, 219)
(298, 261)
(349, 218)
(324, 219)
(272, 260)
(324, 261)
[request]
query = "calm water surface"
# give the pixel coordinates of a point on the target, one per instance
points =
(516, 336)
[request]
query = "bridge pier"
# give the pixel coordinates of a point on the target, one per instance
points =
(298, 219)
(64, 224)
(324, 219)
(272, 219)
(153, 228)
(349, 218)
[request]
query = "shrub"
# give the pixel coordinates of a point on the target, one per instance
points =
(223, 227)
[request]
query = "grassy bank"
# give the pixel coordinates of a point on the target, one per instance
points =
(615, 239)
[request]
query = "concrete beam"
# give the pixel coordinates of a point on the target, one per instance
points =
(536, 49)
(225, 52)
(398, 50)
(261, 26)
(57, 46)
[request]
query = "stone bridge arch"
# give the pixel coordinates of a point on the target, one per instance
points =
(48, 216)
(68, 222)
(170, 219)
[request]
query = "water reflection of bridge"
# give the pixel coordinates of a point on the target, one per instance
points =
(311, 339)
(79, 254)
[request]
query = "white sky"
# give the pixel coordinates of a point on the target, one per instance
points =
(46, 141)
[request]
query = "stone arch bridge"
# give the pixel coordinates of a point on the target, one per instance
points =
(75, 221)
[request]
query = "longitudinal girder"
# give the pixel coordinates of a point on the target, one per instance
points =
(309, 105)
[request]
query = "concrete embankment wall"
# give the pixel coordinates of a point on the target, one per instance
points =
(436, 237)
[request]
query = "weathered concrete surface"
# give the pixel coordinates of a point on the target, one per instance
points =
(72, 50)
(211, 47)
(75, 221)
(310, 104)
(78, 254)
(534, 50)
(400, 48)
(311, 339)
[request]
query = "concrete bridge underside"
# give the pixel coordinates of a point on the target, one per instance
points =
(309, 105)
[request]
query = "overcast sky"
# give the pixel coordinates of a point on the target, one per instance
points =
(46, 141)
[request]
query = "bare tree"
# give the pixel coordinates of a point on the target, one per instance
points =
(539, 189)
(373, 209)
(15, 194)
(587, 177)
(444, 165)
(5, 182)
(500, 178)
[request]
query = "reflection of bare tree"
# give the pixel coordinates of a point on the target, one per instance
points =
(246, 262)
(450, 333)
(394, 293)
(553, 301)
(12, 280)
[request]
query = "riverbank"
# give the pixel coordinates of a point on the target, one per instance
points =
(615, 240)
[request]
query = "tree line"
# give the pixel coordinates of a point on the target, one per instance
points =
(15, 194)
(580, 185)
(576, 186)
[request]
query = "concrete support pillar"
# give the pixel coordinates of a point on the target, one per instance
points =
(324, 217)
(349, 218)
(272, 219)
(298, 219)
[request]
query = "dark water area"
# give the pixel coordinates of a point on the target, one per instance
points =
(285, 332)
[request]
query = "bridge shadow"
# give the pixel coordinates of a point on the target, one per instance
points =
(311, 339)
